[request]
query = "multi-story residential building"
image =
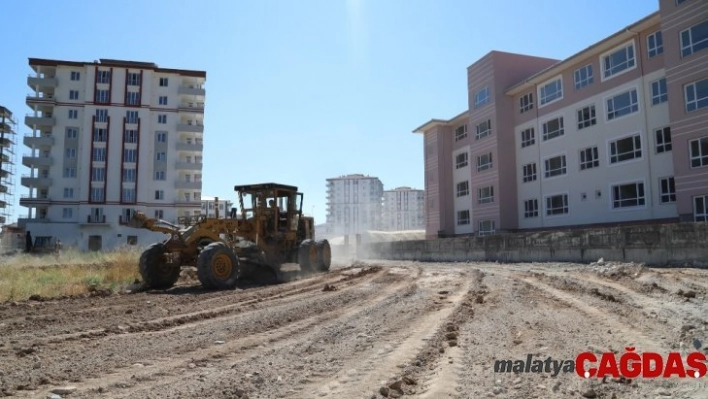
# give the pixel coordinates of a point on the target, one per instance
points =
(613, 134)
(7, 164)
(110, 137)
(353, 204)
(209, 207)
(403, 209)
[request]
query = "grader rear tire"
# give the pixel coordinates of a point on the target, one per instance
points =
(324, 255)
(155, 270)
(217, 267)
(308, 256)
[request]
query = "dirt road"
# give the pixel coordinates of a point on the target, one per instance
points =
(419, 330)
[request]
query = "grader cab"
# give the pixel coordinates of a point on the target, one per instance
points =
(255, 241)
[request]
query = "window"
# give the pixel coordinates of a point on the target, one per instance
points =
(163, 82)
(69, 172)
(102, 96)
(622, 104)
(73, 114)
(72, 133)
(555, 166)
(159, 195)
(131, 117)
(668, 190)
(655, 44)
(98, 174)
(551, 91)
(128, 195)
(619, 61)
(678, 2)
(481, 97)
(700, 208)
(557, 205)
(589, 158)
(162, 100)
(696, 95)
(628, 195)
(67, 213)
(484, 129)
(531, 208)
(68, 192)
(463, 188)
(98, 194)
(485, 195)
(461, 160)
(486, 227)
(461, 132)
(553, 128)
(528, 172)
(161, 137)
(586, 117)
(159, 214)
(698, 149)
(161, 156)
(526, 103)
(70, 153)
(129, 175)
(583, 76)
(73, 94)
(75, 75)
(658, 91)
(160, 175)
(626, 149)
(133, 79)
(132, 98)
(528, 137)
(162, 118)
(130, 136)
(103, 77)
(463, 217)
(484, 162)
(663, 140)
(694, 39)
(101, 115)
(130, 155)
(100, 135)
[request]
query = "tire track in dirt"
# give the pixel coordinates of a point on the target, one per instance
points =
(243, 349)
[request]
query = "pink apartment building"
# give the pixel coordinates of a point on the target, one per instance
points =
(617, 133)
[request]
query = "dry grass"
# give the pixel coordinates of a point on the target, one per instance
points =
(71, 273)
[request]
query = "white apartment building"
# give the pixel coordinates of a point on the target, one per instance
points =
(209, 207)
(403, 209)
(353, 204)
(108, 138)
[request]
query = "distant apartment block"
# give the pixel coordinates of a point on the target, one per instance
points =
(108, 138)
(403, 209)
(615, 133)
(7, 164)
(353, 204)
(210, 207)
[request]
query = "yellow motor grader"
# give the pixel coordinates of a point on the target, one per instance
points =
(268, 231)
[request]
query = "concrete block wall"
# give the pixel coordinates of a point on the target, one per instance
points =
(675, 244)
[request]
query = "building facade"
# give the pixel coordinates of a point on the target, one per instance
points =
(613, 134)
(109, 138)
(403, 209)
(7, 164)
(210, 207)
(354, 204)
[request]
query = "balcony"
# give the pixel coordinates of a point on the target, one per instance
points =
(23, 221)
(35, 161)
(94, 220)
(190, 127)
(192, 107)
(40, 98)
(39, 121)
(41, 81)
(29, 181)
(26, 200)
(38, 141)
(191, 90)
(188, 185)
(188, 166)
(184, 146)
(189, 204)
(5, 142)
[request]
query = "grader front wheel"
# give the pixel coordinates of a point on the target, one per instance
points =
(324, 255)
(308, 256)
(217, 267)
(155, 270)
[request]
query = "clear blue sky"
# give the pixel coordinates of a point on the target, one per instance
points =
(302, 90)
